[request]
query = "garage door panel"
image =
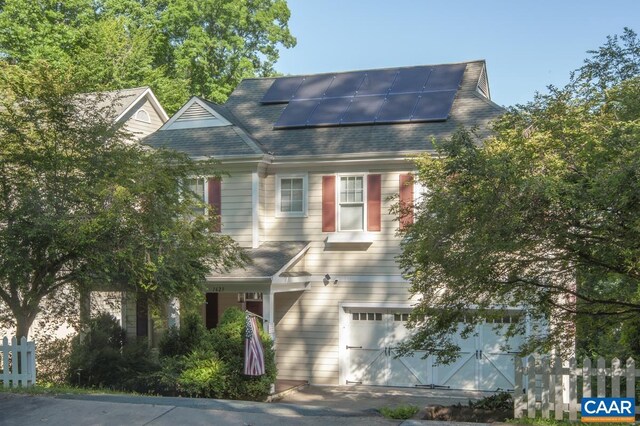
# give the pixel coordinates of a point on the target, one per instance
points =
(497, 372)
(410, 370)
(367, 366)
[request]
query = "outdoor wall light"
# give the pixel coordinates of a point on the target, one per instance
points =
(327, 279)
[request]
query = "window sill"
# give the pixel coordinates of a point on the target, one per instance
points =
(350, 238)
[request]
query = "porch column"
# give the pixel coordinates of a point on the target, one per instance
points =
(173, 313)
(267, 313)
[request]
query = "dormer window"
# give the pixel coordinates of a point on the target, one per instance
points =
(143, 116)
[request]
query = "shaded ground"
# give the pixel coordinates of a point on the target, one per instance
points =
(371, 398)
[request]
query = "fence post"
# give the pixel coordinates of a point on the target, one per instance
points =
(573, 385)
(5, 362)
(558, 394)
(518, 392)
(531, 387)
(615, 377)
(14, 362)
(586, 378)
(631, 378)
(544, 394)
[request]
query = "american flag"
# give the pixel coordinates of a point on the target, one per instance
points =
(253, 350)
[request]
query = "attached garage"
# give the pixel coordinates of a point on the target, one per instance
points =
(369, 336)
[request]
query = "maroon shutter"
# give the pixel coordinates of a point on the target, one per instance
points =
(406, 200)
(215, 201)
(374, 202)
(328, 203)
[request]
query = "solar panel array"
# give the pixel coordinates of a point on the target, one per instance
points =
(402, 95)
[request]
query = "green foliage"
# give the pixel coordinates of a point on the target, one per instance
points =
(227, 340)
(52, 359)
(81, 205)
(501, 400)
(401, 412)
(544, 215)
(203, 375)
(100, 358)
(190, 336)
(180, 48)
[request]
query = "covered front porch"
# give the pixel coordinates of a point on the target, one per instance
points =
(276, 267)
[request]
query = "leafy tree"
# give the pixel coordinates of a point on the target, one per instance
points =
(81, 205)
(542, 216)
(178, 47)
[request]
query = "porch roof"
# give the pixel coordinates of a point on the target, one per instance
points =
(268, 260)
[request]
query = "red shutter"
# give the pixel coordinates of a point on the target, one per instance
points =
(328, 203)
(374, 202)
(406, 200)
(215, 201)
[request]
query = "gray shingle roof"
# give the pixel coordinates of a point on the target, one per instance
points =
(244, 110)
(266, 260)
(117, 100)
(203, 142)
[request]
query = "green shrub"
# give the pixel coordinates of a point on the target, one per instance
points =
(401, 412)
(501, 400)
(101, 357)
(203, 375)
(190, 336)
(227, 340)
(52, 358)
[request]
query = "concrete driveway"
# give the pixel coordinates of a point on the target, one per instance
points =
(369, 399)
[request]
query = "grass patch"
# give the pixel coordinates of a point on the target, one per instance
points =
(401, 412)
(47, 389)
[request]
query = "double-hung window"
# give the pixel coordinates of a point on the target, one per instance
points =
(198, 187)
(351, 210)
(291, 195)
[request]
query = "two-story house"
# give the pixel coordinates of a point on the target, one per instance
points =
(313, 162)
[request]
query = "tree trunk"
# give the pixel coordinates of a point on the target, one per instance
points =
(23, 324)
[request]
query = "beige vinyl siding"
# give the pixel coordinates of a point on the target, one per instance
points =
(237, 208)
(139, 128)
(308, 326)
(376, 259)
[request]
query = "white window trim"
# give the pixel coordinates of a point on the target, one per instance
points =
(305, 194)
(365, 202)
(147, 120)
(205, 189)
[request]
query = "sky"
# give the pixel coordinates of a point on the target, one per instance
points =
(527, 44)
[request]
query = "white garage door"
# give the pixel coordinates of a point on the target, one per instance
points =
(373, 334)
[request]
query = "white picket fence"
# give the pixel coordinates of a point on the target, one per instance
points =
(18, 366)
(549, 386)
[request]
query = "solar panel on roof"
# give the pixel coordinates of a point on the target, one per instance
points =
(363, 109)
(329, 112)
(297, 113)
(410, 80)
(345, 84)
(434, 106)
(445, 77)
(398, 95)
(377, 82)
(314, 87)
(397, 108)
(282, 90)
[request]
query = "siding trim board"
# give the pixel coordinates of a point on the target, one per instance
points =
(215, 200)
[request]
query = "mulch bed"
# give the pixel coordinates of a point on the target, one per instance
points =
(461, 413)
